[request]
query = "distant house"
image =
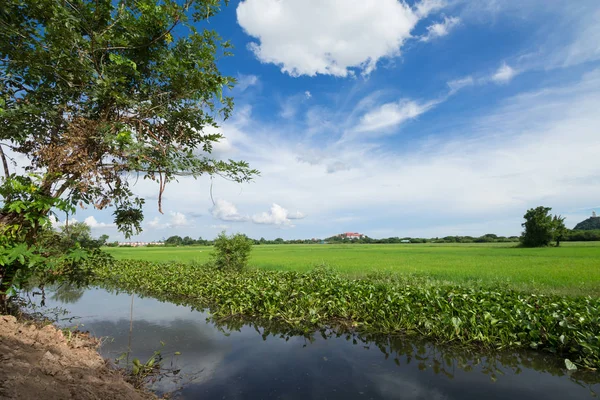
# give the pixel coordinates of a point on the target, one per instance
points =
(140, 244)
(351, 235)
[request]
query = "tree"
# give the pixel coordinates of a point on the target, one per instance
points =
(79, 234)
(103, 239)
(541, 228)
(231, 252)
(96, 94)
(560, 231)
(188, 241)
(174, 241)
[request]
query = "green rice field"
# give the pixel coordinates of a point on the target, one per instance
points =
(572, 269)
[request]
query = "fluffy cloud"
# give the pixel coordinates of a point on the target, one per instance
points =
(391, 114)
(332, 37)
(277, 215)
(440, 29)
(155, 223)
(226, 211)
(94, 224)
(177, 220)
(504, 74)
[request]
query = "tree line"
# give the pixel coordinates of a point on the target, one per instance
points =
(569, 236)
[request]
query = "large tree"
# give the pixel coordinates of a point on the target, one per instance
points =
(95, 94)
(541, 227)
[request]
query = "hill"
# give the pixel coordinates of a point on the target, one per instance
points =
(589, 224)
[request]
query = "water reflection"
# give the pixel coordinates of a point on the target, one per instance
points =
(66, 293)
(259, 359)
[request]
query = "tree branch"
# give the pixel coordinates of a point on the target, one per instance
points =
(4, 163)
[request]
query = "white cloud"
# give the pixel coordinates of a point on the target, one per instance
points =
(226, 211)
(440, 29)
(178, 220)
(245, 81)
(504, 74)
(221, 227)
(277, 215)
(337, 166)
(94, 224)
(330, 37)
(459, 84)
(296, 215)
(291, 105)
(425, 7)
(155, 223)
(391, 114)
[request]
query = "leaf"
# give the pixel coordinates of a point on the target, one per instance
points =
(570, 366)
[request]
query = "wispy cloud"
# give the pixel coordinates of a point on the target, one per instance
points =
(440, 29)
(246, 81)
(458, 84)
(392, 115)
(504, 74)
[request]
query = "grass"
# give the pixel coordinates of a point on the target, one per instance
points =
(572, 269)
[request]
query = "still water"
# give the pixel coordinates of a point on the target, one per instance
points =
(252, 362)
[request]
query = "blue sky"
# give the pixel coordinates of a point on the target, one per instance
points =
(423, 118)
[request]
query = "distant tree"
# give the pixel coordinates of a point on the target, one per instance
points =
(103, 239)
(541, 227)
(187, 241)
(174, 241)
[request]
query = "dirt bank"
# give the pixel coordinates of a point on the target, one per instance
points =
(40, 363)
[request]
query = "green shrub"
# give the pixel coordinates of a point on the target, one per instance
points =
(231, 252)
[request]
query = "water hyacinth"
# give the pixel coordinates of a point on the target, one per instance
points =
(485, 316)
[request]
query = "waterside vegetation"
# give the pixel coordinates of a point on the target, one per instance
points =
(489, 317)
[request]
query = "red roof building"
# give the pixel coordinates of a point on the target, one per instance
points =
(351, 235)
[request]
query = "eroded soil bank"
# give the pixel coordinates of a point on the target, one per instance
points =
(40, 363)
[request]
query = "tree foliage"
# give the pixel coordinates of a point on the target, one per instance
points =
(541, 228)
(96, 94)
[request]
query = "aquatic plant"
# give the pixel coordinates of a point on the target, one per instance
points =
(492, 317)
